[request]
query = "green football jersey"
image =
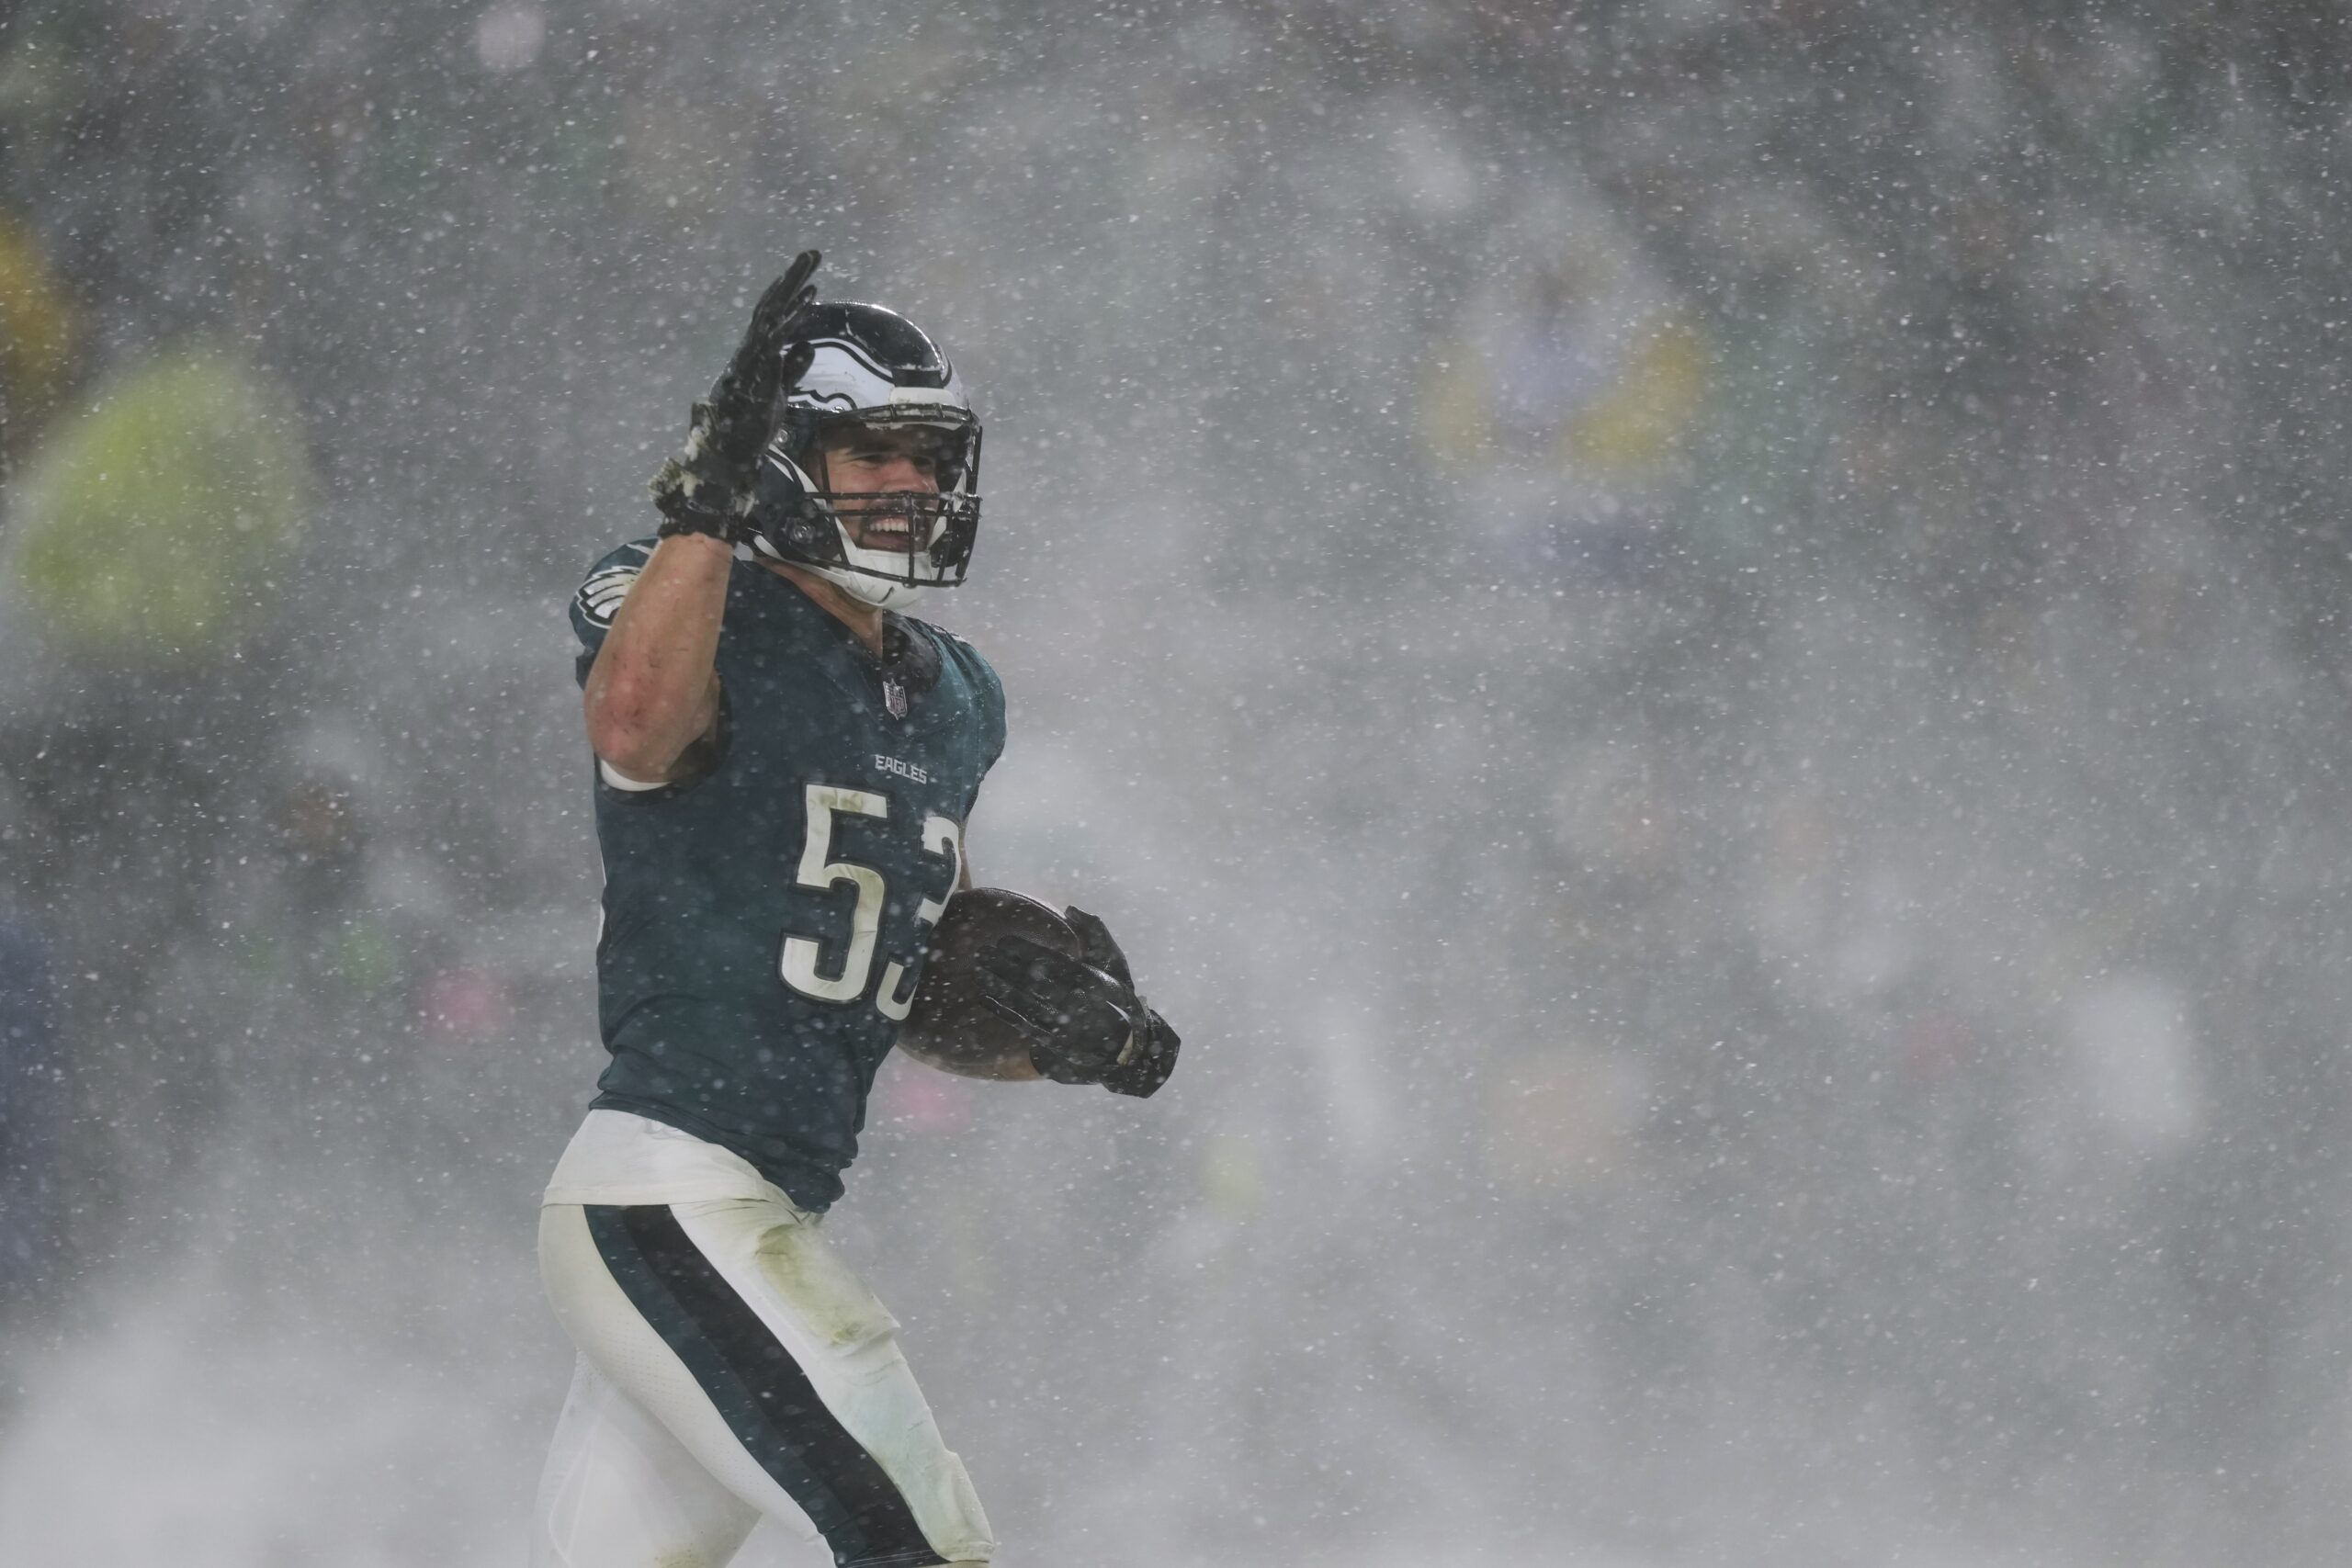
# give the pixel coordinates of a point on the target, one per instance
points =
(764, 919)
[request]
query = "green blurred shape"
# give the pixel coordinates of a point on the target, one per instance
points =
(155, 524)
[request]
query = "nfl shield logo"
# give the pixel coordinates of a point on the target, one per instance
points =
(894, 697)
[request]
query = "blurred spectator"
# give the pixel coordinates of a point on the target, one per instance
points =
(340, 941)
(147, 538)
(153, 527)
(1989, 365)
(337, 952)
(1563, 399)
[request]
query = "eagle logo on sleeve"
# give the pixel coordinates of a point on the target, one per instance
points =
(600, 597)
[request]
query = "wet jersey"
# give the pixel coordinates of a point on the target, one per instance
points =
(763, 917)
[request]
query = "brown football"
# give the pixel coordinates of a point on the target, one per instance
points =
(948, 1019)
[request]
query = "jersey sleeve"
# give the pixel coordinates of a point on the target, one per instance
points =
(988, 693)
(599, 599)
(994, 704)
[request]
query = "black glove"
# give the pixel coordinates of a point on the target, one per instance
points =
(1081, 1016)
(708, 487)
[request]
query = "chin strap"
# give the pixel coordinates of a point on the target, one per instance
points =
(880, 593)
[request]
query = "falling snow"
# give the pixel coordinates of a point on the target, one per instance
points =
(1697, 646)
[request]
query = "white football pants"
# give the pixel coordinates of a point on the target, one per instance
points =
(733, 1367)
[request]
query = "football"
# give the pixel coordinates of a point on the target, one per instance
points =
(948, 1019)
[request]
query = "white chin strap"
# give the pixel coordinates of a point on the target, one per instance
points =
(874, 590)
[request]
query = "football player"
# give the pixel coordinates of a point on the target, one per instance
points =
(784, 765)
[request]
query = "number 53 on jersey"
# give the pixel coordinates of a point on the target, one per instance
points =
(801, 962)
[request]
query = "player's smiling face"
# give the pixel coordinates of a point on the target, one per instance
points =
(882, 459)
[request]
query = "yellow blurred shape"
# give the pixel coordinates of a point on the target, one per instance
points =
(36, 326)
(155, 520)
(1646, 412)
(1230, 1176)
(1653, 395)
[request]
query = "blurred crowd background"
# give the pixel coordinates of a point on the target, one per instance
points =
(1696, 646)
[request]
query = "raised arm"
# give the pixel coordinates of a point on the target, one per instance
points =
(653, 690)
